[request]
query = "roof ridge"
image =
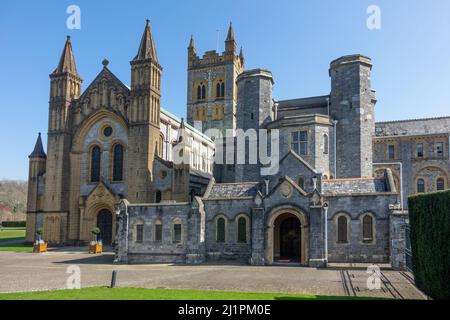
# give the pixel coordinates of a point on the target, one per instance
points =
(411, 120)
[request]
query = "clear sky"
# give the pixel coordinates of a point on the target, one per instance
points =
(295, 39)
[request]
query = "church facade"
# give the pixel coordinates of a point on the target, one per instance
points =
(338, 193)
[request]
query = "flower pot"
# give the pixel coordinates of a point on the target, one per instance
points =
(40, 248)
(95, 248)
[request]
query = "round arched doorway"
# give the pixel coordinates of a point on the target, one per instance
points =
(287, 237)
(104, 223)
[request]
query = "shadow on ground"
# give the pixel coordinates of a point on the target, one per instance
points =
(90, 259)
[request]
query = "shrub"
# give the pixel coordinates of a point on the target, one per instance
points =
(14, 224)
(430, 242)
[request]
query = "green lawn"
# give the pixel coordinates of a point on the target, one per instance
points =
(9, 234)
(19, 247)
(104, 293)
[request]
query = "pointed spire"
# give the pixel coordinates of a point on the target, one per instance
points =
(67, 60)
(38, 151)
(191, 43)
(230, 36)
(147, 49)
(241, 54)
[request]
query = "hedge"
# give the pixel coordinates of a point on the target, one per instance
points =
(14, 224)
(429, 216)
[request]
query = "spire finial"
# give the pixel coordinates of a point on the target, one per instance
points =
(147, 21)
(230, 36)
(147, 48)
(38, 151)
(67, 60)
(105, 63)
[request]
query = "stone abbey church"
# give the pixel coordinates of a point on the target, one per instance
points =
(339, 194)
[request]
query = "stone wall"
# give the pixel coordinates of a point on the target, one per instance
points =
(354, 208)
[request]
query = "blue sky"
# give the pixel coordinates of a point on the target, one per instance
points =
(296, 40)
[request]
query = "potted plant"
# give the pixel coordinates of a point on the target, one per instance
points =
(39, 245)
(95, 245)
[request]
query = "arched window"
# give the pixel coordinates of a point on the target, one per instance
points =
(158, 230)
(222, 89)
(158, 196)
(218, 90)
(161, 145)
(118, 163)
(199, 92)
(203, 92)
(420, 186)
(220, 230)
(301, 182)
(367, 225)
(440, 184)
(177, 232)
(140, 232)
(342, 229)
(242, 230)
(326, 144)
(95, 164)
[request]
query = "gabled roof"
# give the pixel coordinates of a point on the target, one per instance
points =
(147, 49)
(38, 151)
(290, 181)
(105, 72)
(299, 158)
(67, 60)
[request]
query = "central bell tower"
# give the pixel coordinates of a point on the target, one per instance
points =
(211, 86)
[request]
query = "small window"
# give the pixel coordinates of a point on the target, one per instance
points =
(440, 150)
(139, 233)
(158, 196)
(158, 231)
(391, 152)
(242, 230)
(107, 131)
(177, 232)
(299, 142)
(301, 182)
(440, 184)
(326, 144)
(367, 228)
(342, 229)
(420, 186)
(420, 150)
(220, 232)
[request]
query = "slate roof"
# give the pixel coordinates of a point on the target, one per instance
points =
(349, 186)
(319, 101)
(234, 190)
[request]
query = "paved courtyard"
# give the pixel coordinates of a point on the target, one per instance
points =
(29, 272)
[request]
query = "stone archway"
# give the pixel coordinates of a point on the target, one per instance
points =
(287, 236)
